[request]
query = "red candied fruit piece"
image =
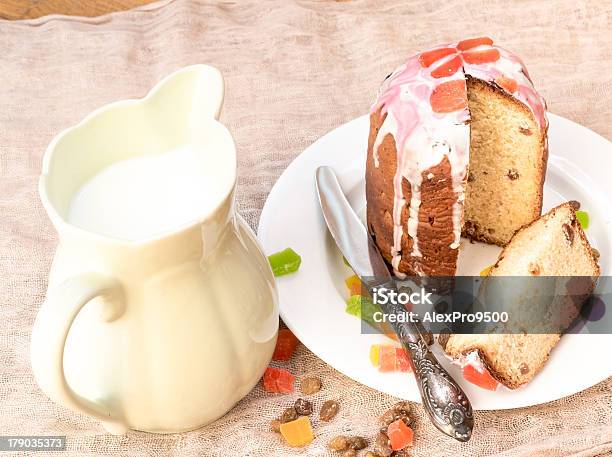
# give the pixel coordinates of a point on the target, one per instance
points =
(401, 360)
(400, 435)
(480, 378)
(447, 68)
(285, 345)
(429, 57)
(508, 84)
(470, 43)
(478, 57)
(449, 96)
(277, 380)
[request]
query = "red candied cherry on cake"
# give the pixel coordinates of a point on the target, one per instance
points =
(464, 52)
(508, 84)
(449, 96)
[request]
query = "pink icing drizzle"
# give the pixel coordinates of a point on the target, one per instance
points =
(424, 137)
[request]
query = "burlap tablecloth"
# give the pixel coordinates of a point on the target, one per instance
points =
(294, 70)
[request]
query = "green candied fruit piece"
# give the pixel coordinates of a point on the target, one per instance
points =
(583, 218)
(363, 308)
(353, 305)
(284, 262)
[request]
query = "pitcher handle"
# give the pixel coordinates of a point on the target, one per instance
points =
(50, 332)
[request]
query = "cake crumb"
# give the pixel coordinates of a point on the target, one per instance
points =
(534, 269)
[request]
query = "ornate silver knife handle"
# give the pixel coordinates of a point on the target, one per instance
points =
(447, 405)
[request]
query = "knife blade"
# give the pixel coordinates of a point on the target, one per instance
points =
(446, 403)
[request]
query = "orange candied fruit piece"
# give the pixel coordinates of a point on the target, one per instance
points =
(447, 68)
(429, 57)
(353, 283)
(285, 345)
(478, 57)
(480, 378)
(470, 43)
(278, 380)
(506, 83)
(297, 433)
(400, 435)
(449, 96)
(386, 358)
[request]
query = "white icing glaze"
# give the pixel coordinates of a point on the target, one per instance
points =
(428, 125)
(473, 359)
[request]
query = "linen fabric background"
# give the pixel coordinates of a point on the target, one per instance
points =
(294, 70)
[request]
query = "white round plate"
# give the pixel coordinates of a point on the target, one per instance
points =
(312, 301)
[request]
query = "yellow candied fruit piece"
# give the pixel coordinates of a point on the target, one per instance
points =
(486, 271)
(353, 284)
(297, 433)
(375, 354)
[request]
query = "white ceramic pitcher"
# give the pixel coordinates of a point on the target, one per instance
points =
(163, 334)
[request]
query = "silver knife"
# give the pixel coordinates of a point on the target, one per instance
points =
(445, 402)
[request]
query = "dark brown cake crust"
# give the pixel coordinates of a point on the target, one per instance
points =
(435, 227)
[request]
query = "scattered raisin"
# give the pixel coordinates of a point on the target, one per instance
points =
(596, 253)
(329, 410)
(443, 337)
(470, 177)
(402, 407)
(470, 229)
(400, 410)
(310, 385)
(386, 419)
(441, 307)
(382, 446)
(303, 407)
(574, 204)
(525, 131)
(568, 232)
(339, 443)
(404, 289)
(275, 425)
(428, 337)
(513, 174)
(290, 414)
(357, 443)
(524, 368)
